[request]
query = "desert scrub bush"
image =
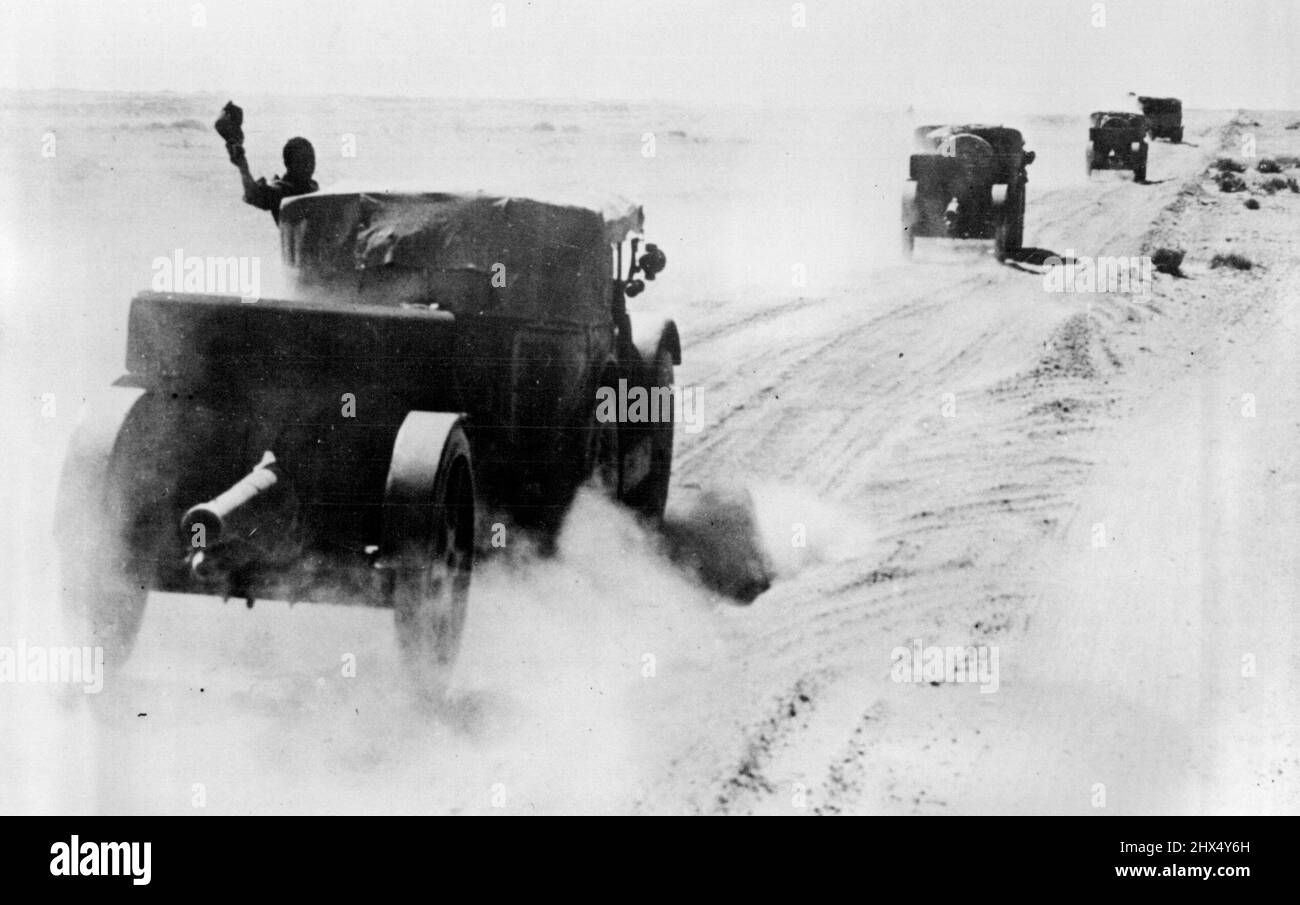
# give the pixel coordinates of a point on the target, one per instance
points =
(1286, 161)
(1168, 260)
(1230, 182)
(1228, 165)
(1252, 204)
(1231, 259)
(1276, 184)
(1268, 165)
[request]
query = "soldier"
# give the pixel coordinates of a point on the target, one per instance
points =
(299, 164)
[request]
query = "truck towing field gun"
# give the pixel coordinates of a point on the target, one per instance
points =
(967, 182)
(1118, 141)
(436, 371)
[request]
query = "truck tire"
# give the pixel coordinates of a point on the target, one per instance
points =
(911, 216)
(429, 517)
(1016, 232)
(1140, 167)
(603, 459)
(1176, 135)
(1009, 220)
(650, 497)
(1087, 153)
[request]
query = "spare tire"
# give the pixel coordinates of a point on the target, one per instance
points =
(973, 151)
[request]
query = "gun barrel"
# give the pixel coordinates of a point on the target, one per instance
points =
(214, 514)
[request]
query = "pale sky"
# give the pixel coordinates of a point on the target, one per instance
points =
(1034, 55)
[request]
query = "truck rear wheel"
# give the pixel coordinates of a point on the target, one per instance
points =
(1003, 216)
(1009, 220)
(603, 458)
(911, 217)
(432, 519)
(1016, 230)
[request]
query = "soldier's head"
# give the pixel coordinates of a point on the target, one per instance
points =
(299, 159)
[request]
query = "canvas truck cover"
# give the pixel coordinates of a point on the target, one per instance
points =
(998, 136)
(553, 257)
(1160, 104)
(1109, 119)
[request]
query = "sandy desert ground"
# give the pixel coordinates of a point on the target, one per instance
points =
(1101, 486)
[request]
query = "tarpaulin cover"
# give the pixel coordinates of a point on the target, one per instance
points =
(1113, 120)
(550, 256)
(1160, 104)
(1003, 139)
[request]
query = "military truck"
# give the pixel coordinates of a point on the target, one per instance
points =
(1164, 116)
(967, 182)
(1118, 141)
(434, 371)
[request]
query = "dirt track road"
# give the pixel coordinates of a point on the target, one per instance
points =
(1070, 418)
(949, 439)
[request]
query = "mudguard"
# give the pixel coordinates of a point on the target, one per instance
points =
(84, 478)
(108, 532)
(651, 332)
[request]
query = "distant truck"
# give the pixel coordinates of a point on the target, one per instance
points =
(1118, 141)
(1164, 116)
(438, 369)
(967, 182)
